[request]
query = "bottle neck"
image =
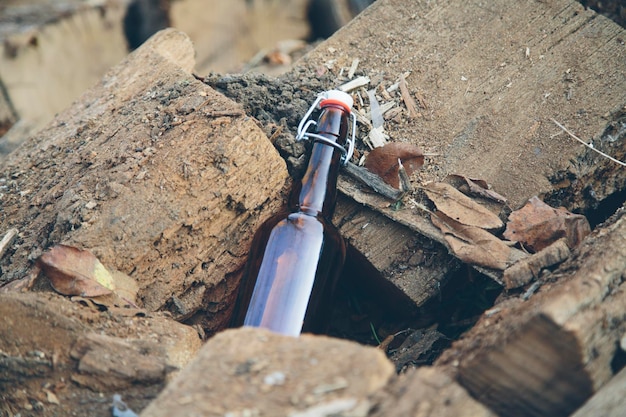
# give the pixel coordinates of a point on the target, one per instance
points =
(317, 191)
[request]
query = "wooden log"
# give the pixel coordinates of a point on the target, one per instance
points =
(609, 401)
(399, 266)
(157, 174)
(491, 87)
(48, 342)
(488, 88)
(248, 371)
(427, 391)
(548, 355)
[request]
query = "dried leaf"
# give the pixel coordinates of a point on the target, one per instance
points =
(475, 187)
(537, 225)
(74, 271)
(383, 161)
(460, 207)
(472, 244)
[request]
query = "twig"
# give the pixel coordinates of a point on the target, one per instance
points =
(224, 113)
(277, 132)
(531, 290)
(588, 145)
(373, 181)
(420, 206)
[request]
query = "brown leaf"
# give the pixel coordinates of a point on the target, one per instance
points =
(74, 271)
(537, 225)
(460, 207)
(383, 161)
(472, 244)
(475, 187)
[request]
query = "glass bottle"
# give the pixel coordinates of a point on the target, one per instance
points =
(297, 255)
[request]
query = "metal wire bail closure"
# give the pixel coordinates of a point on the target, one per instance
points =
(306, 123)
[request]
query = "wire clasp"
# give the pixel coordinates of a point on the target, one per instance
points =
(306, 123)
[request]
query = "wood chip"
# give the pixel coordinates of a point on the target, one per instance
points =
(386, 107)
(353, 67)
(421, 100)
(7, 240)
(377, 137)
(527, 269)
(354, 84)
(405, 181)
(409, 102)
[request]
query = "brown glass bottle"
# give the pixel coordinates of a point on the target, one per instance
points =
(296, 256)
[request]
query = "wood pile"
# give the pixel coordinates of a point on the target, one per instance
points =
(164, 178)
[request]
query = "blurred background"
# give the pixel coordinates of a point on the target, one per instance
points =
(53, 50)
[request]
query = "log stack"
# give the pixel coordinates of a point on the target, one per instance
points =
(165, 179)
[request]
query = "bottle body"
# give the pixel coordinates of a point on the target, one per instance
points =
(290, 277)
(296, 256)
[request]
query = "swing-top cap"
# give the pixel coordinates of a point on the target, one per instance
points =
(337, 97)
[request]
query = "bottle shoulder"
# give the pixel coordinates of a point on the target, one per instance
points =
(295, 222)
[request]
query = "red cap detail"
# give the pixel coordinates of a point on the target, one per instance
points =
(328, 101)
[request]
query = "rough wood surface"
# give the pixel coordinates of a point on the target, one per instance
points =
(546, 356)
(427, 392)
(248, 372)
(407, 269)
(66, 355)
(609, 401)
(155, 173)
(492, 78)
(525, 270)
(489, 80)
